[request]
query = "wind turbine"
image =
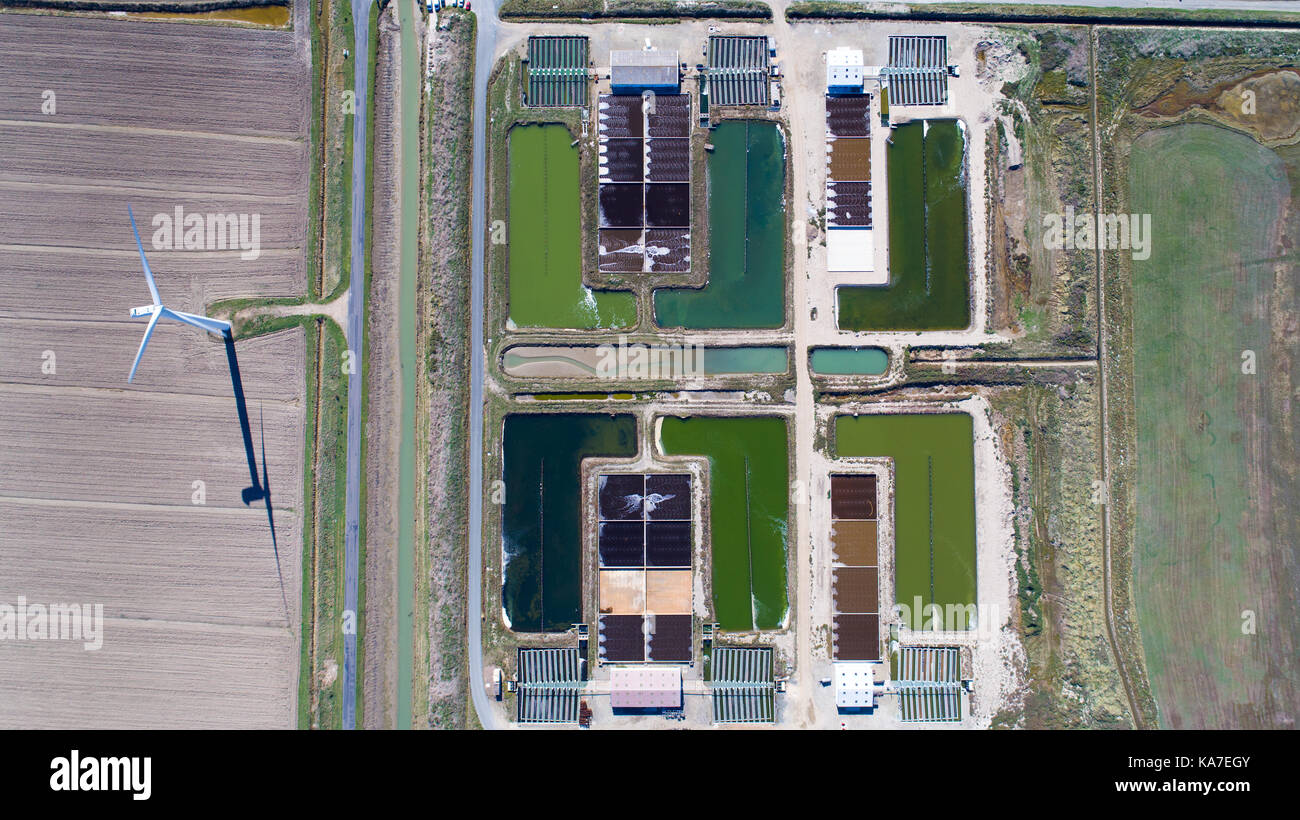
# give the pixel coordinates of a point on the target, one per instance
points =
(156, 310)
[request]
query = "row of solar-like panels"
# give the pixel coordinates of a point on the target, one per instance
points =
(730, 51)
(749, 87)
(928, 683)
(549, 685)
(556, 72)
(938, 703)
(918, 86)
(918, 51)
(737, 71)
(929, 664)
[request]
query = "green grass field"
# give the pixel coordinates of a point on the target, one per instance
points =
(934, 506)
(1216, 478)
(545, 238)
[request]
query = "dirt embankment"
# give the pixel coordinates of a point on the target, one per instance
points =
(382, 434)
(444, 336)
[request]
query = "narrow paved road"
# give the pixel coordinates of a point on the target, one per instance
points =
(356, 336)
(485, 45)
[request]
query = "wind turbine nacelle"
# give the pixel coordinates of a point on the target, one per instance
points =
(147, 310)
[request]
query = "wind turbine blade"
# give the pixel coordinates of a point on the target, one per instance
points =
(219, 327)
(148, 274)
(148, 331)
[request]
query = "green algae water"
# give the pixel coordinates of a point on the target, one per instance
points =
(929, 276)
(713, 361)
(746, 184)
(748, 512)
(541, 517)
(934, 504)
(849, 361)
(727, 361)
(545, 238)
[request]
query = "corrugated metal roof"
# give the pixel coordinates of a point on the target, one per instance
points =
(643, 77)
(641, 57)
(645, 687)
(643, 68)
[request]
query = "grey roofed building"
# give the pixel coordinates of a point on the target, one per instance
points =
(635, 71)
(917, 73)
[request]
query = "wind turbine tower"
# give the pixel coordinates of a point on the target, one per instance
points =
(157, 311)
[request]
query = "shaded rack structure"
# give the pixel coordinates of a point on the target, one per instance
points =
(737, 71)
(917, 73)
(743, 685)
(555, 75)
(929, 684)
(550, 681)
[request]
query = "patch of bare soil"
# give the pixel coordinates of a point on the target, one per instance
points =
(1009, 263)
(1265, 104)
